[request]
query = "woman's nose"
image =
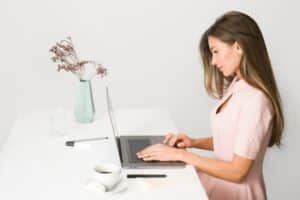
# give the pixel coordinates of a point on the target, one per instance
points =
(213, 61)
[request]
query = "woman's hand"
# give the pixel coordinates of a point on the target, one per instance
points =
(179, 140)
(160, 152)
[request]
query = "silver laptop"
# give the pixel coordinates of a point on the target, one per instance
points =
(128, 146)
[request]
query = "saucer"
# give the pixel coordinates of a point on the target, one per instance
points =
(93, 185)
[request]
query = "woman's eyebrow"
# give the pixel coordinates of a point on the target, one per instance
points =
(211, 48)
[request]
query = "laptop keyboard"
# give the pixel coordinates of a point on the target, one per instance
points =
(136, 145)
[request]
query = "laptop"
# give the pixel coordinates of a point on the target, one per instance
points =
(128, 146)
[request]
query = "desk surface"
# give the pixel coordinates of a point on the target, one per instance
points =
(35, 163)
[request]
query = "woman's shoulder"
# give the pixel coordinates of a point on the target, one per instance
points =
(248, 93)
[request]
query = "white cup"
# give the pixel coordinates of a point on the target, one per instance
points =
(107, 174)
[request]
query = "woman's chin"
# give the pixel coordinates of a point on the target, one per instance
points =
(226, 74)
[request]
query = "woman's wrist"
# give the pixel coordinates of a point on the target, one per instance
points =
(193, 143)
(180, 154)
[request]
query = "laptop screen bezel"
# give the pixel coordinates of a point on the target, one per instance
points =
(113, 123)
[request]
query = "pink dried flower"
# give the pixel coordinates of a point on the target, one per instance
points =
(59, 53)
(100, 70)
(67, 48)
(67, 59)
(60, 67)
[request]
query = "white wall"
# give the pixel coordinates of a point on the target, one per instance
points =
(151, 51)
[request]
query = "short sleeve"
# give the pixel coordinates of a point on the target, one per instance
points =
(253, 125)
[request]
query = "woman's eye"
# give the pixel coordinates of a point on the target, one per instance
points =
(215, 52)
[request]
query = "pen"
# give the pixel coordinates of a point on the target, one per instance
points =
(146, 175)
(72, 142)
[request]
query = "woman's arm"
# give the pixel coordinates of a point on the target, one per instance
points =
(235, 170)
(203, 143)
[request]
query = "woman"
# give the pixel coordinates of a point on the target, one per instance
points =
(247, 119)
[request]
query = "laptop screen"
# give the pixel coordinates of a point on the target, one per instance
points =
(113, 121)
(110, 113)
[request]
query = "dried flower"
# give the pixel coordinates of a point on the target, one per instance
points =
(66, 57)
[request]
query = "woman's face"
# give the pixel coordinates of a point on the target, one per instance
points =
(225, 57)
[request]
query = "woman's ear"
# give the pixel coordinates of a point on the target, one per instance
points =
(238, 48)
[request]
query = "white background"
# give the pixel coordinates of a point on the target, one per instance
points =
(151, 51)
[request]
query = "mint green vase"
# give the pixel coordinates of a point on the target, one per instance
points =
(84, 110)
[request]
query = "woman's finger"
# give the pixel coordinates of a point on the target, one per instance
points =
(173, 140)
(181, 144)
(149, 158)
(167, 138)
(147, 151)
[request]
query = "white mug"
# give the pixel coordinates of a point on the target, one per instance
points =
(107, 174)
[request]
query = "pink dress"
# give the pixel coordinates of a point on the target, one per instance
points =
(243, 127)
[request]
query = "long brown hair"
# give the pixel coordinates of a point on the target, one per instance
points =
(255, 66)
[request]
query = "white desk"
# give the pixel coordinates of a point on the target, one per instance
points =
(35, 164)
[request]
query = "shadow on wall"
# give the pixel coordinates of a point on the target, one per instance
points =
(8, 112)
(9, 116)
